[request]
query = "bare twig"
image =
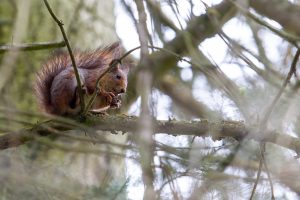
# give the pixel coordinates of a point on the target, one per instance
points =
(290, 38)
(263, 73)
(61, 26)
(157, 12)
(285, 83)
(257, 177)
(81, 149)
(32, 47)
(286, 13)
(262, 57)
(268, 172)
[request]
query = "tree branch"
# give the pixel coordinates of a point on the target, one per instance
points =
(124, 124)
(32, 47)
(285, 13)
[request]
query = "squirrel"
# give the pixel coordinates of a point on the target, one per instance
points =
(56, 87)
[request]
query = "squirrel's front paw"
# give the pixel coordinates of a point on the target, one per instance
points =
(108, 97)
(116, 103)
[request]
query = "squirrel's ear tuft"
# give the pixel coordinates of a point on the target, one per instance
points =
(109, 53)
(125, 67)
(116, 49)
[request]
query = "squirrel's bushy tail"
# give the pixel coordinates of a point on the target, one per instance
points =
(45, 76)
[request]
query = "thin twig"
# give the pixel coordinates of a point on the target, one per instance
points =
(17, 121)
(32, 47)
(47, 142)
(264, 74)
(267, 171)
(262, 57)
(285, 83)
(61, 26)
(157, 12)
(176, 13)
(257, 178)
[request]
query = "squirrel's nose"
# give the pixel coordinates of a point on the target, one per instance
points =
(122, 91)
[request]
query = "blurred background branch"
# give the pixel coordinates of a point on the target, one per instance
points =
(32, 47)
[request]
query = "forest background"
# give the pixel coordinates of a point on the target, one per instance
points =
(211, 110)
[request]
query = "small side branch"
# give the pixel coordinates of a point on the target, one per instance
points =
(32, 47)
(285, 83)
(61, 26)
(257, 177)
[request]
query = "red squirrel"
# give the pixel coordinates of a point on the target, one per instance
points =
(56, 87)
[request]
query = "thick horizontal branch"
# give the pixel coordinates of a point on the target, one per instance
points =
(203, 128)
(32, 47)
(124, 124)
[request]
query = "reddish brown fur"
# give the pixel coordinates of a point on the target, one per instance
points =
(55, 85)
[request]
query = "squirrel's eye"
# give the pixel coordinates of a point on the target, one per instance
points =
(118, 76)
